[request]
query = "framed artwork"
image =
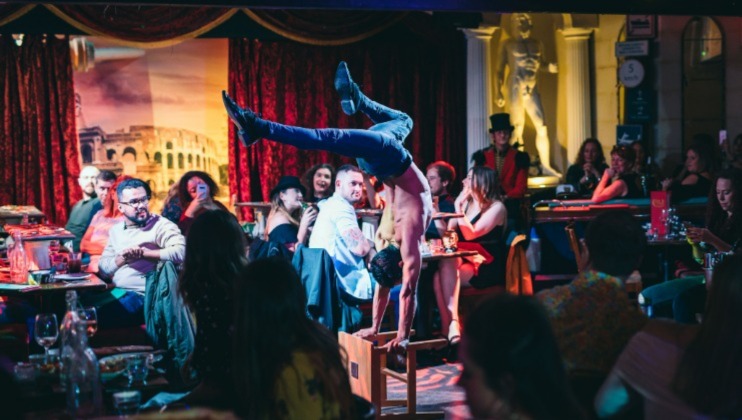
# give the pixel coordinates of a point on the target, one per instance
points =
(641, 26)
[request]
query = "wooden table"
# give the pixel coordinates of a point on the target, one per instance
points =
(663, 245)
(437, 256)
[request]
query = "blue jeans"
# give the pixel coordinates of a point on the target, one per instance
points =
(662, 295)
(380, 149)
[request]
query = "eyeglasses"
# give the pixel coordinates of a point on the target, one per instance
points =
(136, 203)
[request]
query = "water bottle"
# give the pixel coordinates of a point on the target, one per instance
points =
(80, 374)
(18, 261)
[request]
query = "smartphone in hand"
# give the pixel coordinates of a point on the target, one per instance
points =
(202, 191)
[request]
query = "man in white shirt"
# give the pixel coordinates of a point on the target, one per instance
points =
(134, 248)
(336, 230)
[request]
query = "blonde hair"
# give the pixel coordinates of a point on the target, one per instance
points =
(278, 207)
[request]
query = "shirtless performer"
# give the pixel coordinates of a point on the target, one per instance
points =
(380, 152)
(524, 57)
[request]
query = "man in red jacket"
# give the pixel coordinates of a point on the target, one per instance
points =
(510, 164)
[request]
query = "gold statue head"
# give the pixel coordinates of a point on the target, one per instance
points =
(520, 25)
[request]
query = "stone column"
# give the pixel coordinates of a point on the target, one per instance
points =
(577, 72)
(479, 103)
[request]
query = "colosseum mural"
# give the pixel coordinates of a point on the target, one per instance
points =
(155, 114)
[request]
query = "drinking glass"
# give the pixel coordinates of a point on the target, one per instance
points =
(90, 317)
(127, 402)
(46, 331)
(74, 263)
(137, 368)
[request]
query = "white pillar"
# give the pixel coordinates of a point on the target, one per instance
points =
(577, 72)
(479, 102)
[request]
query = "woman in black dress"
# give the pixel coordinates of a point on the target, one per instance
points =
(289, 223)
(585, 173)
(484, 224)
(620, 180)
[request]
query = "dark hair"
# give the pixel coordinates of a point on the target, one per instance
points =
(709, 375)
(705, 156)
(445, 170)
(616, 243)
(133, 183)
(580, 160)
(726, 227)
(308, 179)
(510, 338)
(384, 267)
(215, 255)
(271, 325)
(485, 185)
(185, 196)
(348, 168)
(106, 176)
(626, 153)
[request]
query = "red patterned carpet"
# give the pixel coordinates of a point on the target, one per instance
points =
(436, 391)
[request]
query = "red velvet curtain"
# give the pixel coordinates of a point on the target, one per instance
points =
(39, 160)
(410, 67)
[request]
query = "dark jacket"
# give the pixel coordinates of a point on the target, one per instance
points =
(317, 273)
(169, 322)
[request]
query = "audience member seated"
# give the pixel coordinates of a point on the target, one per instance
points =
(723, 234)
(592, 316)
(288, 222)
(82, 212)
(589, 166)
(679, 371)
(336, 231)
(134, 248)
(320, 182)
(511, 364)
(288, 366)
(619, 181)
(694, 180)
(171, 209)
(643, 163)
(440, 175)
(214, 257)
(96, 237)
(484, 224)
(196, 191)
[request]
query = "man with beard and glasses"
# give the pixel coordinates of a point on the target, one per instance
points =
(134, 248)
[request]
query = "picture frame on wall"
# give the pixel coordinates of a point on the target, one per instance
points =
(641, 26)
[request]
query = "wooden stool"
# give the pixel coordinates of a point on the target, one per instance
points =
(366, 364)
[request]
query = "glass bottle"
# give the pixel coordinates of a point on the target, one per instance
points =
(18, 261)
(80, 372)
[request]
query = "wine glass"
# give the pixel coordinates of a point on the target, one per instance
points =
(46, 331)
(89, 317)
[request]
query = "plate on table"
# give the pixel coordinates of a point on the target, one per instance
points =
(72, 276)
(112, 366)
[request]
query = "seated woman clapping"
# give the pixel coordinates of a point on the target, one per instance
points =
(288, 366)
(619, 181)
(484, 224)
(289, 223)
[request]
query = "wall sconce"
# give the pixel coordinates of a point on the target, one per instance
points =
(18, 38)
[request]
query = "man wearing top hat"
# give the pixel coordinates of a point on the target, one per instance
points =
(510, 164)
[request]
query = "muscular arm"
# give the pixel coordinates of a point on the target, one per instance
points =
(411, 262)
(356, 242)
